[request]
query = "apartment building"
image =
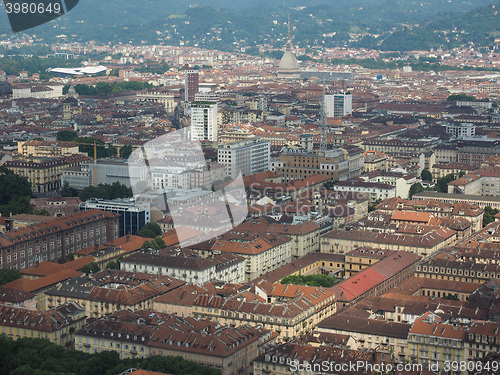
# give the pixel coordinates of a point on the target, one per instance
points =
(46, 149)
(246, 157)
(305, 236)
(370, 333)
(437, 208)
(433, 340)
(337, 164)
(150, 333)
(56, 239)
(400, 180)
(44, 174)
(186, 265)
(289, 310)
(424, 244)
(56, 325)
(108, 291)
(374, 190)
(263, 252)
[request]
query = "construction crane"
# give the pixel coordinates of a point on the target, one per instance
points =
(95, 156)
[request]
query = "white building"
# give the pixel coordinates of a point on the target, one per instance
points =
(177, 177)
(226, 267)
(338, 104)
(204, 121)
(37, 92)
(400, 180)
(248, 157)
(461, 130)
(373, 190)
(133, 215)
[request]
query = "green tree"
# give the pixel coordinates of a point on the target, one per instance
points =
(9, 274)
(442, 183)
(115, 190)
(112, 265)
(66, 135)
(150, 230)
(16, 206)
(489, 215)
(426, 175)
(68, 191)
(311, 280)
(125, 151)
(456, 97)
(90, 268)
(13, 186)
(414, 189)
(42, 212)
(28, 356)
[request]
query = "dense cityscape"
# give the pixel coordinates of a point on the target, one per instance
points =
(273, 209)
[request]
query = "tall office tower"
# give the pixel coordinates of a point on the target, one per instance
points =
(248, 157)
(204, 121)
(338, 104)
(190, 83)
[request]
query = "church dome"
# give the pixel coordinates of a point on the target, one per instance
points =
(288, 62)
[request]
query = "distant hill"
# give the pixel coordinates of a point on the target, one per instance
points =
(232, 24)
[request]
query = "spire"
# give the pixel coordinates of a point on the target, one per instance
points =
(289, 31)
(288, 44)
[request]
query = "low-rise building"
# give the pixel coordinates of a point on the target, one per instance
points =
(289, 310)
(107, 292)
(189, 266)
(433, 340)
(56, 325)
(17, 298)
(44, 174)
(133, 215)
(56, 239)
(150, 333)
(45, 149)
(424, 244)
(374, 190)
(305, 236)
(263, 252)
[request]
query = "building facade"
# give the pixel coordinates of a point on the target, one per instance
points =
(248, 157)
(204, 121)
(56, 239)
(338, 104)
(133, 215)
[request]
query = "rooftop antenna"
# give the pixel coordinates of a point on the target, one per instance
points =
(323, 144)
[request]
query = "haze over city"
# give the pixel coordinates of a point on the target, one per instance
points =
(256, 188)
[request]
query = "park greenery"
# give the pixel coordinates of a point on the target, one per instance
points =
(106, 88)
(414, 189)
(456, 97)
(426, 175)
(154, 245)
(68, 191)
(489, 215)
(106, 191)
(150, 230)
(90, 268)
(9, 274)
(442, 183)
(311, 280)
(28, 356)
(15, 193)
(86, 144)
